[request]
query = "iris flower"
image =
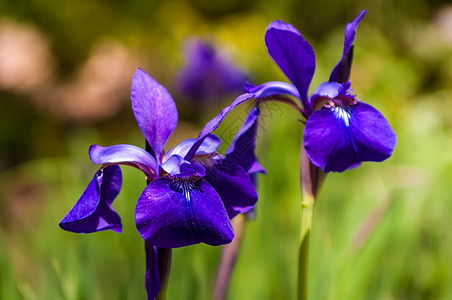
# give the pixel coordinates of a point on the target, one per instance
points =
(341, 131)
(192, 193)
(208, 74)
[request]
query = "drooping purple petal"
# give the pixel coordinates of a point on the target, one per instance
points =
(152, 277)
(337, 138)
(93, 211)
(215, 122)
(177, 166)
(154, 110)
(231, 182)
(272, 88)
(127, 155)
(242, 148)
(173, 213)
(293, 54)
(341, 72)
(209, 145)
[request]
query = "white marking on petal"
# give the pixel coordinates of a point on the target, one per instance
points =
(185, 185)
(342, 113)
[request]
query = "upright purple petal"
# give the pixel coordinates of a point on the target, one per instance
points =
(215, 122)
(337, 138)
(242, 148)
(127, 155)
(173, 213)
(277, 24)
(231, 182)
(341, 72)
(154, 110)
(152, 277)
(93, 211)
(293, 54)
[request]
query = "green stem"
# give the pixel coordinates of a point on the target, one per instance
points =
(303, 259)
(311, 178)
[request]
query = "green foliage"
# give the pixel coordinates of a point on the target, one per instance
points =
(380, 231)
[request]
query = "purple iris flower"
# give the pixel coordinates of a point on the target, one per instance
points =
(192, 194)
(341, 131)
(208, 74)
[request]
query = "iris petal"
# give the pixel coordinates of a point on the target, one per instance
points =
(231, 182)
(154, 109)
(234, 186)
(338, 138)
(93, 211)
(341, 72)
(330, 90)
(171, 214)
(152, 277)
(272, 88)
(277, 24)
(293, 54)
(125, 154)
(209, 145)
(242, 148)
(177, 166)
(215, 122)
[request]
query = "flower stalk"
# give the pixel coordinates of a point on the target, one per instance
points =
(303, 259)
(164, 264)
(310, 180)
(229, 254)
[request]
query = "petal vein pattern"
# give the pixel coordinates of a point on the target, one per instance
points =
(171, 213)
(154, 109)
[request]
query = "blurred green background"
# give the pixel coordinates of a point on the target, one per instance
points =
(381, 231)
